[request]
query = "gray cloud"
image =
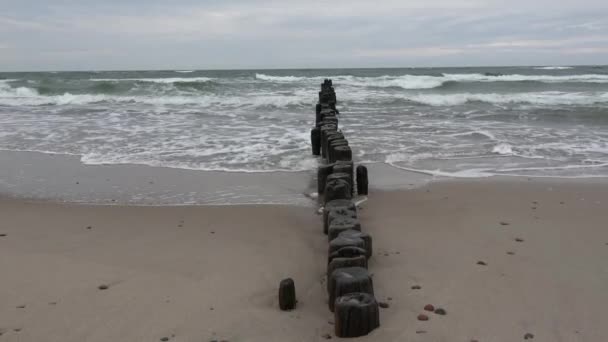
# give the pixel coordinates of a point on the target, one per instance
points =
(75, 35)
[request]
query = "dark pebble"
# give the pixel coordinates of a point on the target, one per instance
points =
(385, 254)
(180, 225)
(504, 223)
(429, 307)
(420, 331)
(511, 253)
(389, 298)
(383, 305)
(533, 208)
(440, 311)
(416, 287)
(89, 227)
(561, 202)
(423, 317)
(212, 232)
(53, 303)
(77, 182)
(519, 240)
(2, 235)
(103, 287)
(17, 329)
(164, 339)
(327, 336)
(21, 307)
(528, 336)
(482, 263)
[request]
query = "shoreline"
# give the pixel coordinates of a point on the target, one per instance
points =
(37, 176)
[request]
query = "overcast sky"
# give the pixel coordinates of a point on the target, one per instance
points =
(224, 34)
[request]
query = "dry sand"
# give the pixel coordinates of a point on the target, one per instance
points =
(211, 273)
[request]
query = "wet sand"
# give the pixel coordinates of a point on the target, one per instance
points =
(212, 272)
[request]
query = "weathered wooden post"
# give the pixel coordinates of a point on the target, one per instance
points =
(315, 141)
(362, 180)
(349, 280)
(356, 314)
(322, 173)
(287, 294)
(340, 224)
(337, 189)
(352, 233)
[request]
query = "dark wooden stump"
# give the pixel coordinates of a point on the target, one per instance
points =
(344, 241)
(329, 137)
(287, 294)
(315, 141)
(346, 252)
(343, 176)
(331, 149)
(322, 173)
(343, 153)
(362, 181)
(339, 213)
(356, 314)
(335, 205)
(358, 261)
(349, 280)
(344, 167)
(352, 233)
(325, 130)
(337, 189)
(341, 224)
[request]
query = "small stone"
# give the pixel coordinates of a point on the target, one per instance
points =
(164, 339)
(389, 298)
(53, 303)
(423, 317)
(103, 287)
(77, 182)
(180, 225)
(420, 331)
(21, 307)
(535, 202)
(429, 307)
(519, 240)
(528, 336)
(327, 336)
(383, 305)
(561, 203)
(416, 287)
(482, 263)
(503, 223)
(385, 254)
(2, 235)
(212, 232)
(511, 253)
(17, 329)
(533, 208)
(89, 227)
(211, 308)
(440, 311)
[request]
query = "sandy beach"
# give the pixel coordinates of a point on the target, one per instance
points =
(204, 273)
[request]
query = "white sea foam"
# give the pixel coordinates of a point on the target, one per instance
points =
(430, 82)
(503, 149)
(185, 71)
(554, 68)
(535, 98)
(156, 80)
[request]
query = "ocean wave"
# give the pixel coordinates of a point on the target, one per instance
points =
(430, 82)
(184, 71)
(167, 80)
(554, 68)
(283, 79)
(24, 96)
(533, 98)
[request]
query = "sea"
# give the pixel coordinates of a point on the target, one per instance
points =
(455, 122)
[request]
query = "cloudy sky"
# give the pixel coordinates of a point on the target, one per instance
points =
(225, 34)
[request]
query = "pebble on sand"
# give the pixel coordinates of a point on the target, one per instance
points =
(482, 263)
(103, 287)
(420, 331)
(440, 311)
(327, 336)
(2, 235)
(423, 317)
(519, 240)
(164, 339)
(528, 336)
(429, 307)
(503, 223)
(511, 253)
(21, 307)
(416, 287)
(383, 305)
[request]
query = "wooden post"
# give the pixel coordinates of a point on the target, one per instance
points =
(287, 294)
(356, 314)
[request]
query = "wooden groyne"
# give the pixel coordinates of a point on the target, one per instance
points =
(349, 285)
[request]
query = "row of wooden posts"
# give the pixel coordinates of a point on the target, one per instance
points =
(349, 285)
